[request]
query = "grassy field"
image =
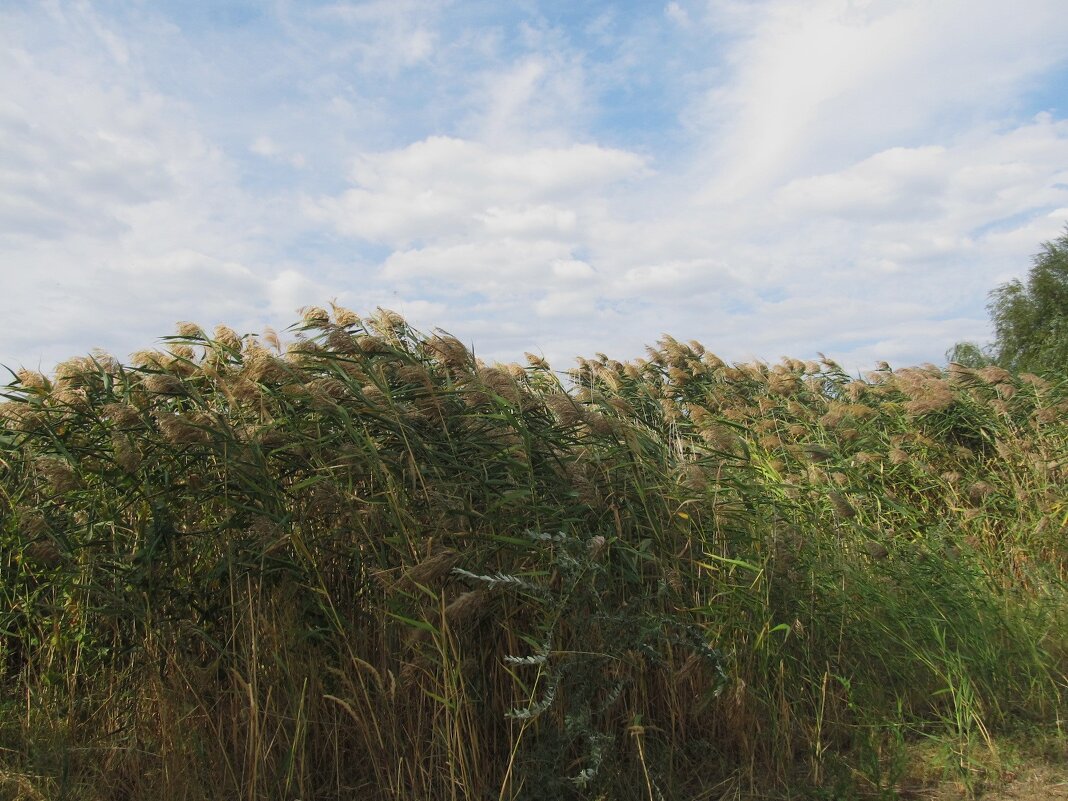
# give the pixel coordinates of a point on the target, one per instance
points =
(369, 566)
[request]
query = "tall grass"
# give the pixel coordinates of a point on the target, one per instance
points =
(373, 566)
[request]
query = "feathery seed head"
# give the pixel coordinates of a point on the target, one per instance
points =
(126, 454)
(228, 338)
(31, 379)
(720, 438)
(993, 374)
(329, 389)
(935, 400)
(500, 382)
(766, 426)
(387, 323)
(43, 552)
(467, 606)
(190, 331)
(73, 400)
(670, 410)
(183, 352)
(264, 368)
(450, 352)
(344, 317)
(537, 362)
(243, 389)
(179, 429)
(770, 442)
(122, 415)
(270, 336)
(433, 568)
(959, 374)
(76, 372)
(978, 491)
(783, 383)
(1005, 390)
(32, 523)
(1048, 415)
(837, 413)
(315, 317)
(57, 472)
(416, 374)
(565, 409)
(162, 384)
(678, 376)
(373, 395)
(299, 349)
(1039, 384)
(755, 371)
(342, 342)
(856, 390)
(368, 343)
(600, 424)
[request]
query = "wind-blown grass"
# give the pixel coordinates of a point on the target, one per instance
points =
(373, 566)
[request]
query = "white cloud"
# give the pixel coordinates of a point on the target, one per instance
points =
(828, 82)
(849, 177)
(573, 271)
(264, 146)
(541, 220)
(267, 148)
(387, 35)
(446, 187)
(118, 217)
(493, 267)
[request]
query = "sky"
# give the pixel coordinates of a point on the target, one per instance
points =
(566, 177)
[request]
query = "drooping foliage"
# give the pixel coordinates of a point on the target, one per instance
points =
(1031, 317)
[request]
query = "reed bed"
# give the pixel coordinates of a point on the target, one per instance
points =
(369, 565)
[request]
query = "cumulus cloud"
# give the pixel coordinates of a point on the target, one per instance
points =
(449, 188)
(117, 215)
(850, 177)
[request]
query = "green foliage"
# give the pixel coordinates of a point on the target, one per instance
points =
(1031, 318)
(373, 566)
(970, 354)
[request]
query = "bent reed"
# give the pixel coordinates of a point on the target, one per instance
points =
(368, 565)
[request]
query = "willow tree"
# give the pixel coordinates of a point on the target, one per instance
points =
(1031, 317)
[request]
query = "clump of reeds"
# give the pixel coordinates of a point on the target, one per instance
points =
(367, 563)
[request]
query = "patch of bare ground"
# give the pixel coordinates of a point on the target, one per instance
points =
(1043, 783)
(1038, 782)
(1043, 778)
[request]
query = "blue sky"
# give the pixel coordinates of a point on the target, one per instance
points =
(769, 177)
